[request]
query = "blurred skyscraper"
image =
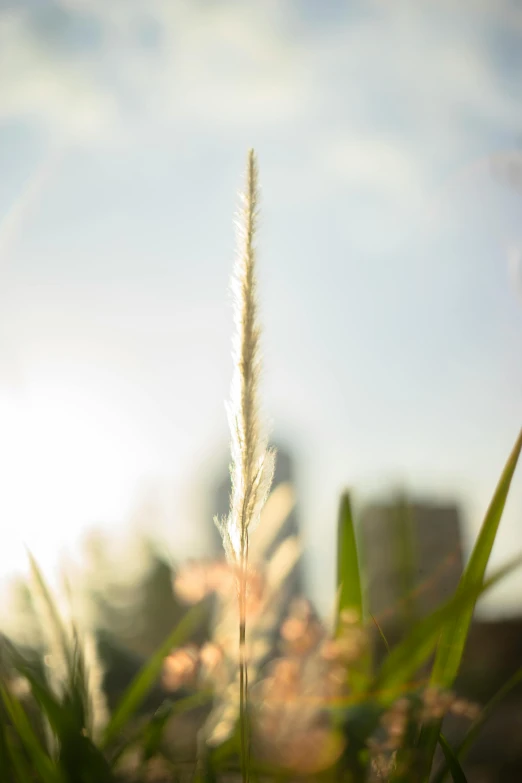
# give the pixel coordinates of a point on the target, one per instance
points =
(412, 554)
(284, 473)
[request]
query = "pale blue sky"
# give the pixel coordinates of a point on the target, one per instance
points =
(393, 329)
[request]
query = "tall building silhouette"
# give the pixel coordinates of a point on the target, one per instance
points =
(412, 554)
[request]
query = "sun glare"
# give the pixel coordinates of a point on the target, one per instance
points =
(67, 462)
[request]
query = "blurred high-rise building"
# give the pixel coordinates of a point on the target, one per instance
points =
(412, 554)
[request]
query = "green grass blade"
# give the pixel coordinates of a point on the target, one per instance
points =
(42, 763)
(70, 713)
(5, 756)
(474, 729)
(13, 764)
(452, 761)
(453, 639)
(408, 656)
(348, 572)
(60, 714)
(76, 749)
(349, 588)
(21, 769)
(78, 695)
(18, 763)
(146, 677)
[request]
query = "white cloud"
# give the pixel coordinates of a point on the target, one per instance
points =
(381, 102)
(371, 161)
(38, 86)
(234, 64)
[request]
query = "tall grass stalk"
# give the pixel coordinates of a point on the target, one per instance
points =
(252, 464)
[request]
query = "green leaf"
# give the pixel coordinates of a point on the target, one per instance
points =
(452, 761)
(348, 572)
(148, 674)
(408, 656)
(453, 639)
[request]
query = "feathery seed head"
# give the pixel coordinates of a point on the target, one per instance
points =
(252, 465)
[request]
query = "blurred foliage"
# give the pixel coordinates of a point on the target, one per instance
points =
(384, 724)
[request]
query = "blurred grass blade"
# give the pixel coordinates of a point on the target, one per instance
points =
(153, 734)
(48, 704)
(452, 761)
(349, 588)
(149, 673)
(381, 633)
(70, 712)
(42, 763)
(348, 572)
(452, 641)
(21, 769)
(50, 619)
(154, 730)
(453, 638)
(408, 656)
(5, 756)
(474, 729)
(80, 754)
(76, 749)
(18, 763)
(78, 695)
(166, 711)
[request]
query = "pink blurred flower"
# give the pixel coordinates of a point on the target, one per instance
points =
(180, 668)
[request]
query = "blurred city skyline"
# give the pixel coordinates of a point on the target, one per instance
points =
(389, 258)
